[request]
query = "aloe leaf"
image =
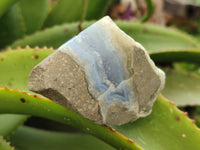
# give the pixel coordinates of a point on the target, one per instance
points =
(152, 37)
(24, 17)
(34, 13)
(192, 56)
(9, 123)
(183, 84)
(166, 124)
(166, 128)
(12, 26)
(16, 66)
(156, 38)
(54, 36)
(14, 74)
(64, 11)
(5, 5)
(36, 139)
(4, 145)
(24, 103)
(182, 80)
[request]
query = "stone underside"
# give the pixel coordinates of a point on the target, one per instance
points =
(102, 74)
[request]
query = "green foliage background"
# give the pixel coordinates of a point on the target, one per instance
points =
(44, 25)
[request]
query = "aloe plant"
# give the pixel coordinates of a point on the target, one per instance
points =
(165, 128)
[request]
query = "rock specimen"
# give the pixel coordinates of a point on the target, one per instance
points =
(102, 74)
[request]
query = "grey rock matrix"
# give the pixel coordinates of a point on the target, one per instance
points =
(102, 74)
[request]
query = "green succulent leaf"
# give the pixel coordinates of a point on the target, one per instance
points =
(64, 11)
(5, 5)
(151, 132)
(182, 80)
(25, 17)
(34, 13)
(37, 139)
(4, 145)
(15, 67)
(157, 38)
(152, 37)
(24, 103)
(169, 56)
(12, 26)
(28, 16)
(183, 84)
(166, 128)
(10, 123)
